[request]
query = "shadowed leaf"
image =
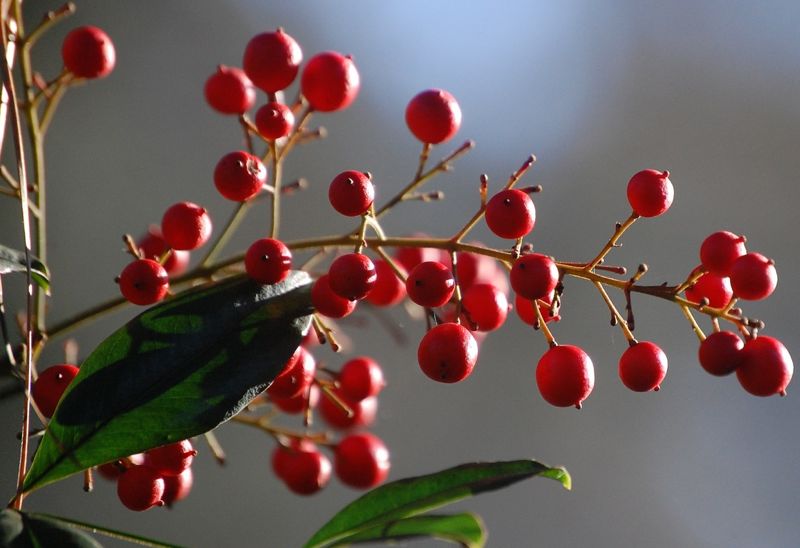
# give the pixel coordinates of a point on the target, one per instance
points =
(12, 260)
(464, 529)
(20, 530)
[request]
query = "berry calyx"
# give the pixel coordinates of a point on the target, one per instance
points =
(239, 176)
(361, 461)
(719, 251)
(753, 277)
(274, 121)
(153, 246)
(352, 276)
(296, 378)
(172, 459)
(565, 376)
(330, 81)
(88, 52)
(186, 225)
(144, 282)
(766, 367)
(485, 306)
(229, 91)
(447, 353)
(361, 378)
(268, 261)
(351, 193)
(328, 303)
(50, 386)
(271, 60)
(433, 116)
(389, 289)
(716, 289)
(643, 366)
(534, 276)
(721, 353)
(650, 192)
(140, 488)
(510, 214)
(430, 284)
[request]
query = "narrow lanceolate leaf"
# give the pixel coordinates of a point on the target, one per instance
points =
(12, 260)
(21, 530)
(413, 496)
(464, 529)
(177, 370)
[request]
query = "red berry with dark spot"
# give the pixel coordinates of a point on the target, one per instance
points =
(430, 284)
(766, 367)
(485, 306)
(268, 261)
(361, 461)
(274, 121)
(650, 192)
(140, 488)
(239, 176)
(230, 91)
(721, 353)
(433, 116)
(643, 366)
(186, 226)
(177, 487)
(716, 289)
(351, 193)
(330, 81)
(153, 246)
(389, 289)
(144, 282)
(753, 277)
(719, 251)
(172, 459)
(447, 353)
(364, 411)
(328, 303)
(361, 378)
(352, 276)
(88, 52)
(271, 60)
(534, 276)
(50, 386)
(511, 214)
(565, 376)
(295, 379)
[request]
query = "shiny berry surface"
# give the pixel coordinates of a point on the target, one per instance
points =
(364, 411)
(510, 214)
(389, 289)
(485, 306)
(447, 353)
(643, 366)
(295, 379)
(229, 91)
(433, 116)
(172, 459)
(753, 277)
(721, 353)
(50, 386)
(328, 303)
(712, 287)
(274, 120)
(330, 81)
(268, 260)
(352, 276)
(650, 192)
(153, 246)
(177, 488)
(361, 461)
(534, 276)
(88, 52)
(766, 368)
(360, 378)
(239, 176)
(306, 469)
(272, 60)
(719, 251)
(140, 488)
(351, 193)
(144, 282)
(430, 284)
(186, 225)
(565, 376)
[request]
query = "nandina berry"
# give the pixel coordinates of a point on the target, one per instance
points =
(447, 353)
(144, 282)
(177, 487)
(766, 367)
(50, 386)
(305, 470)
(511, 214)
(363, 411)
(352, 276)
(281, 455)
(153, 246)
(361, 460)
(171, 459)
(716, 289)
(650, 192)
(409, 257)
(474, 268)
(186, 225)
(330, 81)
(719, 251)
(271, 60)
(328, 303)
(351, 193)
(88, 52)
(721, 353)
(361, 378)
(643, 366)
(527, 313)
(298, 404)
(433, 116)
(389, 289)
(268, 261)
(274, 120)
(753, 277)
(565, 376)
(534, 276)
(295, 379)
(430, 284)
(140, 488)
(485, 306)
(239, 176)
(230, 91)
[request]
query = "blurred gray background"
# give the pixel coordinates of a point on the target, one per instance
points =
(598, 91)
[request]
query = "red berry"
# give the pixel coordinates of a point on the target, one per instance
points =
(239, 176)
(274, 120)
(351, 193)
(361, 461)
(447, 353)
(642, 367)
(268, 261)
(433, 116)
(328, 303)
(281, 455)
(766, 367)
(144, 282)
(140, 488)
(527, 314)
(361, 378)
(721, 353)
(565, 376)
(177, 487)
(650, 192)
(305, 470)
(153, 246)
(186, 226)
(753, 277)
(719, 250)
(534, 276)
(172, 459)
(88, 52)
(389, 289)
(352, 276)
(485, 306)
(511, 214)
(230, 91)
(430, 284)
(50, 386)
(712, 287)
(271, 60)
(295, 379)
(409, 257)
(298, 404)
(330, 81)
(474, 268)
(364, 411)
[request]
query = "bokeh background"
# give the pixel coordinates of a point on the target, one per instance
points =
(598, 91)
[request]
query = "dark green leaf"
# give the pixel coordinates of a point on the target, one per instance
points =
(412, 496)
(20, 530)
(99, 530)
(177, 370)
(464, 529)
(12, 260)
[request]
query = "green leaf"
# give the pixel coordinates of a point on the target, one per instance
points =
(20, 530)
(177, 370)
(12, 260)
(464, 529)
(412, 496)
(99, 530)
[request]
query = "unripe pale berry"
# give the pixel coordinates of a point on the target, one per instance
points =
(271, 60)
(239, 176)
(144, 282)
(721, 353)
(565, 376)
(447, 353)
(719, 251)
(511, 214)
(433, 116)
(351, 193)
(230, 91)
(650, 192)
(352, 276)
(361, 461)
(753, 277)
(88, 52)
(766, 367)
(186, 225)
(534, 276)
(330, 81)
(274, 120)
(50, 386)
(268, 261)
(643, 366)
(430, 284)
(140, 488)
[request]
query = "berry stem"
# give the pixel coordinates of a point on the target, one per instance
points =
(233, 223)
(295, 135)
(542, 324)
(484, 187)
(612, 242)
(325, 333)
(48, 20)
(689, 281)
(277, 432)
(215, 447)
(247, 129)
(620, 320)
(276, 189)
(693, 323)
